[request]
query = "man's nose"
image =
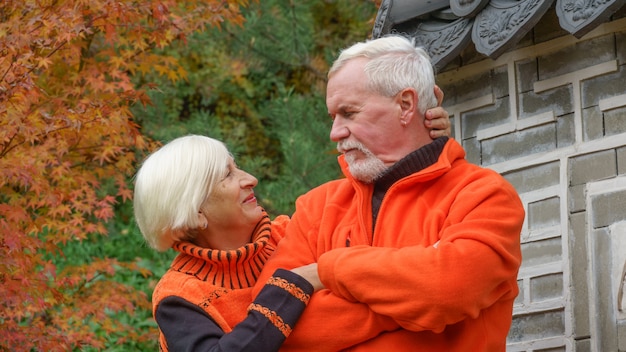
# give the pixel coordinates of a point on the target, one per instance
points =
(338, 131)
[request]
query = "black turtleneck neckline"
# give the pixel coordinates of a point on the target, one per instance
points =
(410, 164)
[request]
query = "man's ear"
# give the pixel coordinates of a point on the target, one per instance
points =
(408, 104)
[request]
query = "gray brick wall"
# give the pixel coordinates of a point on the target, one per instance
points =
(551, 117)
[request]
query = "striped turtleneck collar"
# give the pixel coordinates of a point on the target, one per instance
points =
(232, 269)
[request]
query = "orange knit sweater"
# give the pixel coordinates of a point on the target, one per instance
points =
(206, 293)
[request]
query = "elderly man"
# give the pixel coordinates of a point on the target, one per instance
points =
(428, 242)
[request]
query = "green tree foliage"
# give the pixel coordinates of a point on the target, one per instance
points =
(260, 87)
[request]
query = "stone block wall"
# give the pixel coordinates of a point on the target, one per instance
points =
(551, 117)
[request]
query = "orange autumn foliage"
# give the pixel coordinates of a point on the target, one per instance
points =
(67, 147)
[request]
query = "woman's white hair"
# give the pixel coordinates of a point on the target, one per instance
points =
(173, 183)
(395, 63)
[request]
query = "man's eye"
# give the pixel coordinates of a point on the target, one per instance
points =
(343, 114)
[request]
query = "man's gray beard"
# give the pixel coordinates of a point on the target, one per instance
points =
(367, 170)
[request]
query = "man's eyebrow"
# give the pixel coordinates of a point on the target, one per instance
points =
(345, 107)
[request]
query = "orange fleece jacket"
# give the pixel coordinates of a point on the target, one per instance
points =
(442, 261)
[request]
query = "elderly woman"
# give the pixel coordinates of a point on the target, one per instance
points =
(190, 195)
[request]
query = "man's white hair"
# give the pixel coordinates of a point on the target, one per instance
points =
(395, 63)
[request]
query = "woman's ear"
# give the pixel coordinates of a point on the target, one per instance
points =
(203, 222)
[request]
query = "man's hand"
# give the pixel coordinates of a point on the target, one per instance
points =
(437, 119)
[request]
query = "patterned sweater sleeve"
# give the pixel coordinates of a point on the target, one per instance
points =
(271, 317)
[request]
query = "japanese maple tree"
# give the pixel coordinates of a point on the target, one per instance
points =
(68, 144)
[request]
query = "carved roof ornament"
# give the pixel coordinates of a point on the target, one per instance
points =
(443, 40)
(467, 8)
(445, 27)
(579, 17)
(504, 22)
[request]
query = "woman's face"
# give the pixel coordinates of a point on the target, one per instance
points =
(232, 211)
